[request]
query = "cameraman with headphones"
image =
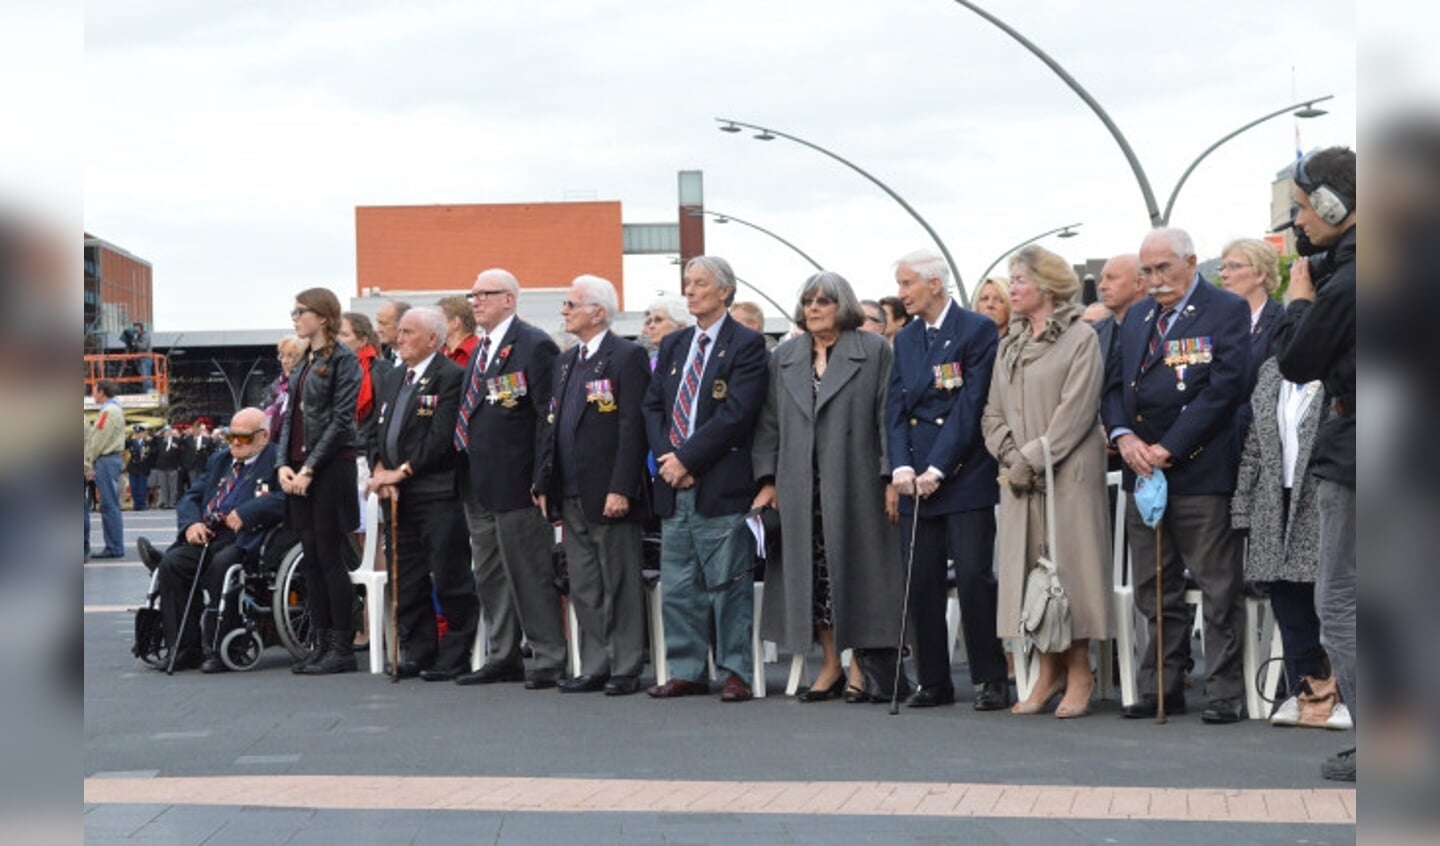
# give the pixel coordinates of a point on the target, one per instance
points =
(1316, 340)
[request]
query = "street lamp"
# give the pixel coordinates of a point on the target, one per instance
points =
(721, 217)
(1059, 232)
(765, 134)
(1302, 109)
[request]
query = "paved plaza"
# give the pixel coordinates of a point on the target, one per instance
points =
(268, 758)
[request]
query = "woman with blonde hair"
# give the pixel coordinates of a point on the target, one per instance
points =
(1046, 383)
(992, 299)
(1250, 269)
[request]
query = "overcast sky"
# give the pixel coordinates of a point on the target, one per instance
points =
(230, 143)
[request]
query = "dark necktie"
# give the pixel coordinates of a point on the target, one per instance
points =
(212, 509)
(931, 333)
(685, 398)
(1162, 328)
(583, 356)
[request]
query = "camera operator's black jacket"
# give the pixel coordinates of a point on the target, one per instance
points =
(1317, 341)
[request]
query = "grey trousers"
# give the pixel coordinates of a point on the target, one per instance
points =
(604, 564)
(1195, 535)
(1336, 583)
(167, 482)
(515, 577)
(689, 610)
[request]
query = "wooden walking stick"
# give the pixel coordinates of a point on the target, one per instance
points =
(1159, 631)
(393, 632)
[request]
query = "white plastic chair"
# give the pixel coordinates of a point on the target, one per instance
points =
(375, 583)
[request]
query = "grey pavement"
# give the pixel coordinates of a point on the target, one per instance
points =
(142, 724)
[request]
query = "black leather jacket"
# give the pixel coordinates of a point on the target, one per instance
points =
(332, 385)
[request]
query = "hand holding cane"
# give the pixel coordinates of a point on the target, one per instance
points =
(905, 607)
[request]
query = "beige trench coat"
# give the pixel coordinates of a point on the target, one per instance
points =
(1057, 395)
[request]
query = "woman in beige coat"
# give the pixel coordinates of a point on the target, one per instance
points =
(1047, 381)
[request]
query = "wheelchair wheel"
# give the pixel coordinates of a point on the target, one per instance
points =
(292, 615)
(240, 649)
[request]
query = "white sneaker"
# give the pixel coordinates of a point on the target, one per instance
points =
(1340, 719)
(1288, 714)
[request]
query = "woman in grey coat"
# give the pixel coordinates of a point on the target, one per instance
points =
(1275, 502)
(820, 457)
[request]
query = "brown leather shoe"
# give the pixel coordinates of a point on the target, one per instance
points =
(678, 687)
(736, 690)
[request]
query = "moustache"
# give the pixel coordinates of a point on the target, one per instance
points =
(1161, 289)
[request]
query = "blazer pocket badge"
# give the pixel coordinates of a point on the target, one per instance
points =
(720, 391)
(947, 376)
(602, 393)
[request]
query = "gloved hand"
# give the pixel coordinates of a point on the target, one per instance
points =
(1020, 478)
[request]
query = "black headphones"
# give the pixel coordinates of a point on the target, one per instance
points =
(1326, 201)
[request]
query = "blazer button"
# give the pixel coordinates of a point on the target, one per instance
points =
(1139, 418)
(913, 421)
(939, 421)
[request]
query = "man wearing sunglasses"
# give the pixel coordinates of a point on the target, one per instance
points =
(228, 511)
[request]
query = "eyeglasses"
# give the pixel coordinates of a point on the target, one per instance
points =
(652, 319)
(821, 301)
(474, 296)
(1162, 269)
(870, 318)
(241, 438)
(571, 304)
(295, 313)
(1232, 266)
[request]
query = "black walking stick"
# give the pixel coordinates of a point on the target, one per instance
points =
(394, 628)
(185, 615)
(905, 608)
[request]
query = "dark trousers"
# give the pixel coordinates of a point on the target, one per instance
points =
(435, 562)
(1293, 604)
(139, 491)
(177, 574)
(968, 539)
(325, 517)
(604, 565)
(1195, 534)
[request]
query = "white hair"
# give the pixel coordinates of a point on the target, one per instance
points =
(927, 264)
(432, 320)
(504, 277)
(1179, 241)
(674, 307)
(601, 292)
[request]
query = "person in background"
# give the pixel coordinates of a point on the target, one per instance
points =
(1120, 287)
(140, 460)
(387, 323)
(667, 314)
(1250, 269)
(290, 351)
(103, 461)
(168, 450)
(992, 299)
(895, 317)
(874, 317)
(460, 337)
(750, 316)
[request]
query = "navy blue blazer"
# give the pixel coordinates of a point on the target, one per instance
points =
(731, 396)
(1196, 423)
(939, 427)
(609, 438)
(1262, 339)
(504, 433)
(260, 503)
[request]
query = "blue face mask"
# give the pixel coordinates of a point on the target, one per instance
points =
(1150, 497)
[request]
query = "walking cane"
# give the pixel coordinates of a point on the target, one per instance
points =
(394, 578)
(1159, 631)
(905, 608)
(185, 615)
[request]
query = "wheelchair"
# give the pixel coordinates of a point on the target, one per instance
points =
(266, 594)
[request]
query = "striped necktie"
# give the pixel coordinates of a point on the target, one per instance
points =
(685, 398)
(461, 440)
(1162, 328)
(212, 508)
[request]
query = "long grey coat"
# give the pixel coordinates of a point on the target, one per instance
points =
(1271, 555)
(844, 428)
(1057, 395)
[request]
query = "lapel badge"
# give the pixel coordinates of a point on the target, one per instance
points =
(720, 391)
(1149, 314)
(1190, 310)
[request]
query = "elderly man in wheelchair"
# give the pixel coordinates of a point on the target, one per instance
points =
(223, 521)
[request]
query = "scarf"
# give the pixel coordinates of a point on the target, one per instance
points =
(366, 401)
(1021, 347)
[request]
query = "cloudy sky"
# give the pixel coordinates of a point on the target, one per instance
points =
(231, 142)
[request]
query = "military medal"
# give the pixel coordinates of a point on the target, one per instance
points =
(947, 376)
(602, 393)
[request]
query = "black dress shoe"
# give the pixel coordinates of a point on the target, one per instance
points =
(820, 694)
(107, 554)
(992, 696)
(492, 673)
(1221, 711)
(1146, 707)
(439, 674)
(622, 686)
(586, 683)
(213, 664)
(188, 659)
(149, 555)
(408, 670)
(540, 681)
(929, 697)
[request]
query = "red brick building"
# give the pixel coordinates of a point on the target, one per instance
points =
(119, 290)
(443, 247)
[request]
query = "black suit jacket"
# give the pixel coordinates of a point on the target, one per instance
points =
(609, 441)
(504, 433)
(1262, 339)
(260, 503)
(426, 424)
(728, 405)
(1197, 424)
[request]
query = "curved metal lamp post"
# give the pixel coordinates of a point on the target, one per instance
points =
(722, 217)
(766, 134)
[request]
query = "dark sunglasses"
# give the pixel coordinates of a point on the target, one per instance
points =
(241, 438)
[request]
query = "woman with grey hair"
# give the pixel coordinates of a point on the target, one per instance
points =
(1046, 383)
(838, 580)
(667, 314)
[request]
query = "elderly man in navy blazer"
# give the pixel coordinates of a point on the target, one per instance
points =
(591, 473)
(700, 414)
(414, 462)
(226, 511)
(938, 387)
(1173, 383)
(507, 391)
